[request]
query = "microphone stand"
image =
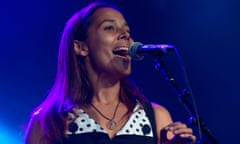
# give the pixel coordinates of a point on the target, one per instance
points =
(183, 96)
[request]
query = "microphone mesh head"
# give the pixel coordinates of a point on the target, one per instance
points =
(132, 51)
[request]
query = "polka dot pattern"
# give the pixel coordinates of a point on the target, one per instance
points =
(138, 124)
(83, 124)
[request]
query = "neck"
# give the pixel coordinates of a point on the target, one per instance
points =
(106, 94)
(106, 86)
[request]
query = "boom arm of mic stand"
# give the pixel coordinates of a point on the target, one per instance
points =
(183, 96)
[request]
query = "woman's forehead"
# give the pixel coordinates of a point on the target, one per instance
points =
(106, 13)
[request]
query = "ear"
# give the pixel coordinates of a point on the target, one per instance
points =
(80, 48)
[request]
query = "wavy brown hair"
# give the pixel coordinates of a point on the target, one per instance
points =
(71, 86)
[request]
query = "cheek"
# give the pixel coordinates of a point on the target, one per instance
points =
(131, 41)
(99, 39)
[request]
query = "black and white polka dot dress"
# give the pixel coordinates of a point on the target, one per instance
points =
(85, 130)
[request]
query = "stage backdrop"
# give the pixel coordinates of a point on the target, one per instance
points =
(206, 34)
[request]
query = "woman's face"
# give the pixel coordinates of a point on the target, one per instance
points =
(108, 40)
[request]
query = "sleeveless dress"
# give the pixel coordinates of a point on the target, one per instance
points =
(82, 129)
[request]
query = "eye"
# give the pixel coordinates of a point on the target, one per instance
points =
(109, 28)
(128, 30)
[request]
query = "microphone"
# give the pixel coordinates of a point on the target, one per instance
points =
(137, 50)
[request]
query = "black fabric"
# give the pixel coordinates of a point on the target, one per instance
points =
(150, 114)
(102, 138)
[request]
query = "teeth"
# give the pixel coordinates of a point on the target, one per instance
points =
(121, 51)
(121, 48)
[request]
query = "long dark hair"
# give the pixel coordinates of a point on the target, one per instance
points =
(71, 86)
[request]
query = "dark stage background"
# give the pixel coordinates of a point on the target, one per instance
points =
(205, 32)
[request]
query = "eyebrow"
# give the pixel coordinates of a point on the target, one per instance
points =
(112, 21)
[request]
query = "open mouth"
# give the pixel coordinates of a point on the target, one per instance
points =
(121, 51)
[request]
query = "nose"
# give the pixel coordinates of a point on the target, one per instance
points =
(124, 36)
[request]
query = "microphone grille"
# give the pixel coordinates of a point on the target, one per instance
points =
(132, 51)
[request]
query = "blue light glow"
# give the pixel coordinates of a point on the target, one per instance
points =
(8, 136)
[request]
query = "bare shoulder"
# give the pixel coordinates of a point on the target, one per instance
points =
(162, 118)
(34, 130)
(162, 115)
(160, 110)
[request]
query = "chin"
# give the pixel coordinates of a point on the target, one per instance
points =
(127, 73)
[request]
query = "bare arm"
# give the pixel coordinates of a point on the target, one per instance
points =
(34, 133)
(167, 131)
(162, 118)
